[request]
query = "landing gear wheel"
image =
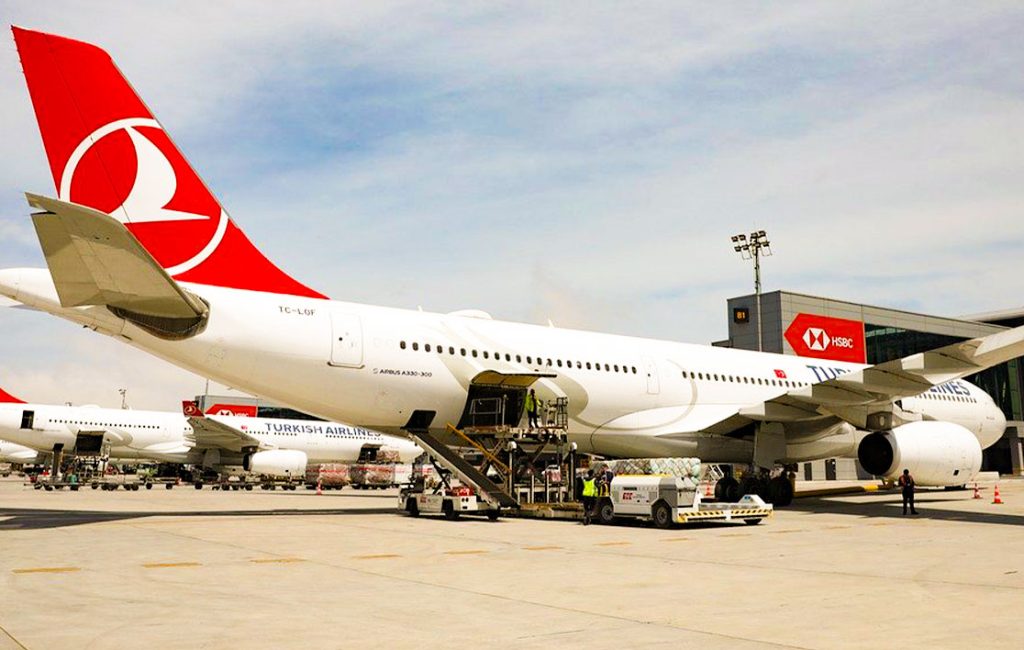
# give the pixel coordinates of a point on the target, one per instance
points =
(170, 486)
(780, 492)
(606, 512)
(149, 486)
(493, 514)
(199, 485)
(727, 490)
(751, 522)
(662, 515)
(449, 511)
(747, 485)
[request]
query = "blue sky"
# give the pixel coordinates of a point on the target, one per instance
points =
(583, 162)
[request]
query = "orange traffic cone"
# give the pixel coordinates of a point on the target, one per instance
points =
(977, 495)
(319, 487)
(996, 498)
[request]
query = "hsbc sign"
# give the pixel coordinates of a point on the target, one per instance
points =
(822, 337)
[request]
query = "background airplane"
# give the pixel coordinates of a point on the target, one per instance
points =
(265, 446)
(140, 250)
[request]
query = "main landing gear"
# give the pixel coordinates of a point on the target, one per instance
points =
(777, 491)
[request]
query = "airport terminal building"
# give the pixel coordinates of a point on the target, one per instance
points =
(793, 323)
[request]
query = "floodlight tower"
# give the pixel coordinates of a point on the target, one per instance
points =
(752, 247)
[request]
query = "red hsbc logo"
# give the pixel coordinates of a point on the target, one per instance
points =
(822, 337)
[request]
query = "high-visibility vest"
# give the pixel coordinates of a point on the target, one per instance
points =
(531, 404)
(589, 488)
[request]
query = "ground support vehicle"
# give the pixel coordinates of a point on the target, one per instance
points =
(672, 500)
(451, 502)
(149, 482)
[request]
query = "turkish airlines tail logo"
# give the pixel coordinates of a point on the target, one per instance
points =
(108, 152)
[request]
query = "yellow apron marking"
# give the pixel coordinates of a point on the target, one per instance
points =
(48, 569)
(170, 565)
(277, 560)
(613, 544)
(676, 539)
(469, 552)
(542, 548)
(378, 556)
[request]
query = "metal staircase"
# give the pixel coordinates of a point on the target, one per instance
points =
(449, 459)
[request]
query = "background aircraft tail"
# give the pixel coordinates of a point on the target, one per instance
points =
(108, 152)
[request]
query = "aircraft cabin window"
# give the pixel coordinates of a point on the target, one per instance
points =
(529, 360)
(426, 347)
(588, 365)
(508, 357)
(415, 346)
(579, 365)
(519, 358)
(462, 351)
(559, 363)
(474, 354)
(485, 355)
(616, 366)
(402, 344)
(451, 350)
(606, 368)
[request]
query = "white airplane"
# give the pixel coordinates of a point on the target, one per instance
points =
(220, 440)
(14, 453)
(140, 250)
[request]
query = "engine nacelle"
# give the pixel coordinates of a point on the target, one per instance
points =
(936, 453)
(277, 463)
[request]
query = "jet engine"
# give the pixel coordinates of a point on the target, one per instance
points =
(936, 453)
(276, 463)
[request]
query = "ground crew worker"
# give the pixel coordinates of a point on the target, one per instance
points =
(589, 496)
(531, 409)
(907, 485)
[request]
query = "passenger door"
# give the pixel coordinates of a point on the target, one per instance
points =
(346, 340)
(653, 382)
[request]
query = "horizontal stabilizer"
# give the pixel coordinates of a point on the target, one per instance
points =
(94, 260)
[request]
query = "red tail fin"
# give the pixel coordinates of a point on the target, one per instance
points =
(108, 152)
(8, 398)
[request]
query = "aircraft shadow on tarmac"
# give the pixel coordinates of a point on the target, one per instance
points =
(35, 519)
(890, 505)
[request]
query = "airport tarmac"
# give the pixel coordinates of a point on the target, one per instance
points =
(186, 568)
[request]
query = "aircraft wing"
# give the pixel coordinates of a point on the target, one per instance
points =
(210, 433)
(95, 260)
(856, 395)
